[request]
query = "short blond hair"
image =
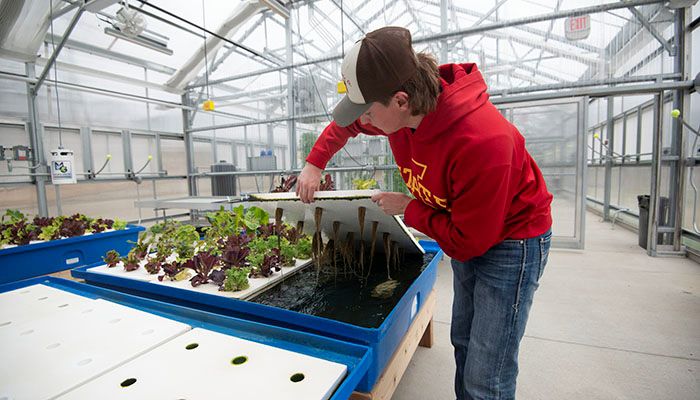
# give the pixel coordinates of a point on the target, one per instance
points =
(423, 88)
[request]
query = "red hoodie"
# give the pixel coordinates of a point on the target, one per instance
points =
(475, 184)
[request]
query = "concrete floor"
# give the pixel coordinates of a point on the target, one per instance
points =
(608, 322)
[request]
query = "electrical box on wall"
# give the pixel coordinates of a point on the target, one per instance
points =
(16, 153)
(62, 167)
(21, 153)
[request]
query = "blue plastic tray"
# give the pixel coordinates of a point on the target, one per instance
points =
(357, 358)
(382, 340)
(22, 262)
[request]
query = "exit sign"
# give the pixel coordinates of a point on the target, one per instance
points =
(578, 28)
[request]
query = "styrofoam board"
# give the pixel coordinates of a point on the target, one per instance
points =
(140, 274)
(33, 302)
(343, 207)
(53, 353)
(319, 195)
(206, 372)
(257, 285)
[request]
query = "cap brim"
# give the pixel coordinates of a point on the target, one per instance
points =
(347, 112)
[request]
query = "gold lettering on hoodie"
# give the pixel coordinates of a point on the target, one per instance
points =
(414, 183)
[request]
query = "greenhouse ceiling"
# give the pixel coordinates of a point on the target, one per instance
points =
(249, 45)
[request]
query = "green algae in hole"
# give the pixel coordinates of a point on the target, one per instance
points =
(298, 377)
(128, 382)
(239, 360)
(192, 346)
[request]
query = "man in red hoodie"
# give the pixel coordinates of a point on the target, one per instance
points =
(476, 190)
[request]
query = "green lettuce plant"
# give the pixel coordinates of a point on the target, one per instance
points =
(119, 225)
(236, 279)
(50, 232)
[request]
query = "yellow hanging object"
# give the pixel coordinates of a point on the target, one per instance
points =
(341, 87)
(208, 105)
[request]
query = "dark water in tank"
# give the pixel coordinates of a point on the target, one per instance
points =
(345, 298)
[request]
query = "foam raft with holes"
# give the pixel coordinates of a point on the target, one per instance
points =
(383, 340)
(68, 340)
(28, 261)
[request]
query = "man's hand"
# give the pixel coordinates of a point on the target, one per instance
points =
(392, 203)
(308, 182)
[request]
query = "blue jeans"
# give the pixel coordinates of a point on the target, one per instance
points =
(492, 298)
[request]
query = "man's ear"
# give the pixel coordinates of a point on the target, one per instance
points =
(401, 99)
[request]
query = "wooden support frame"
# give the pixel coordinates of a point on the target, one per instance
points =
(420, 333)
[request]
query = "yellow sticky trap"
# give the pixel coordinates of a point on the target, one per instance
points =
(208, 105)
(341, 87)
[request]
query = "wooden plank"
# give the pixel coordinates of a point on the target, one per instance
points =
(427, 339)
(65, 274)
(390, 378)
(361, 396)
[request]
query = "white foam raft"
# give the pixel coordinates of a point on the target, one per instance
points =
(60, 345)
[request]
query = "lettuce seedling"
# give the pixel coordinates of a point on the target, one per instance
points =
(266, 230)
(100, 225)
(254, 217)
(111, 258)
(42, 222)
(284, 250)
(153, 265)
(286, 185)
(303, 248)
(203, 263)
(236, 280)
(223, 224)
(327, 184)
(19, 233)
(218, 276)
(12, 216)
(140, 249)
(266, 267)
(131, 263)
(71, 227)
(50, 232)
(119, 225)
(185, 238)
(235, 250)
(171, 270)
(291, 233)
